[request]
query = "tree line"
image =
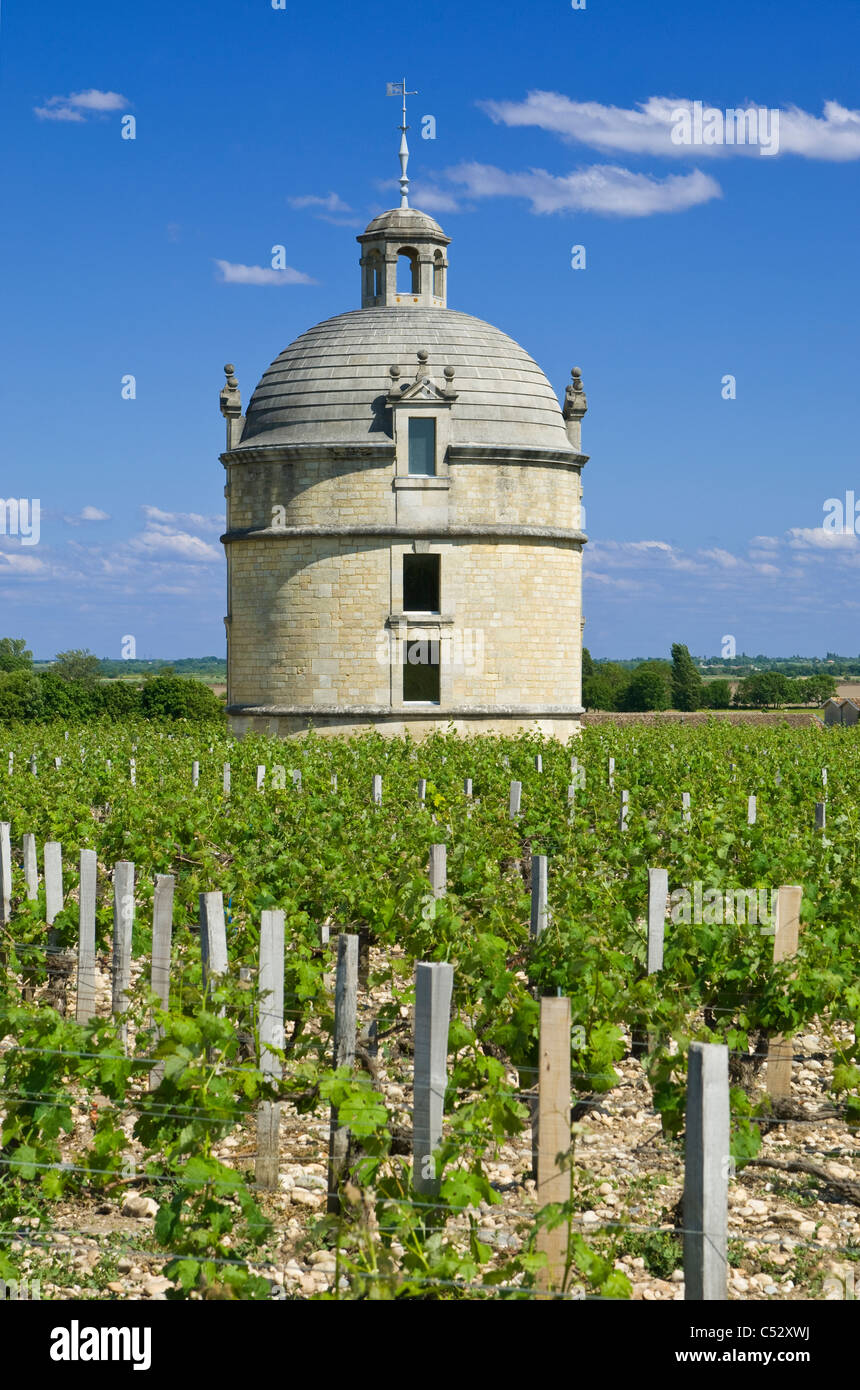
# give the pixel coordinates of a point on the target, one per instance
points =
(677, 684)
(72, 688)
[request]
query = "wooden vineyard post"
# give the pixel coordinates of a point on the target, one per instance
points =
(612, 774)
(261, 776)
(53, 853)
(685, 807)
(195, 773)
(706, 1173)
(514, 800)
(377, 789)
(85, 1002)
(553, 1181)
(538, 762)
(334, 781)
(345, 1018)
(438, 870)
(422, 789)
(434, 984)
(225, 779)
(132, 772)
(123, 922)
(623, 810)
(467, 786)
(751, 810)
(820, 815)
(271, 1031)
(31, 870)
(162, 932)
(213, 938)
(780, 1049)
(658, 894)
(5, 871)
(540, 911)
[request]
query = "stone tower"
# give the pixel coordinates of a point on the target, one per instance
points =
(403, 518)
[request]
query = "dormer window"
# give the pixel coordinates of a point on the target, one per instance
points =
(422, 445)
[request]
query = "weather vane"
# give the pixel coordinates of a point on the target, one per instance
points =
(398, 89)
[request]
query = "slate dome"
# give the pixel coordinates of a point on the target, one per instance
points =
(329, 386)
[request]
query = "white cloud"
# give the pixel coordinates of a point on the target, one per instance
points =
(22, 563)
(234, 274)
(816, 537)
(602, 188)
(427, 198)
(72, 108)
(206, 523)
(332, 202)
(647, 127)
(330, 208)
(61, 113)
(181, 545)
(88, 513)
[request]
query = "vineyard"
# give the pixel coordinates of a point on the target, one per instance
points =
(224, 1015)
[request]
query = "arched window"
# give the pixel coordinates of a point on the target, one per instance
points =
(408, 271)
(438, 276)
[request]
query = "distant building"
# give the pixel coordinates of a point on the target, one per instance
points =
(838, 711)
(404, 541)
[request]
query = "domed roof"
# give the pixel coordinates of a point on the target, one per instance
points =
(330, 385)
(402, 221)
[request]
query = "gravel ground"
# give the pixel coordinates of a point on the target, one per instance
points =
(790, 1234)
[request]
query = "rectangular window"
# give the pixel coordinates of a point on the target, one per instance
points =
(421, 671)
(422, 445)
(421, 583)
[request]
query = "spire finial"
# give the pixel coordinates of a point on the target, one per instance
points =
(398, 89)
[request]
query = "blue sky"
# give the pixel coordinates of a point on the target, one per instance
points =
(258, 126)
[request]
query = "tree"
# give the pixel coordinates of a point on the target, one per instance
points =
(587, 664)
(14, 655)
(649, 687)
(20, 696)
(77, 665)
(717, 694)
(617, 677)
(118, 699)
(818, 688)
(765, 688)
(67, 699)
(175, 697)
(597, 693)
(687, 685)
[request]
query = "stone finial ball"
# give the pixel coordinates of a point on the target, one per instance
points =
(229, 369)
(423, 354)
(575, 371)
(449, 373)
(393, 371)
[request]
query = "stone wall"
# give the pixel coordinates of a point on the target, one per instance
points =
(316, 620)
(316, 491)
